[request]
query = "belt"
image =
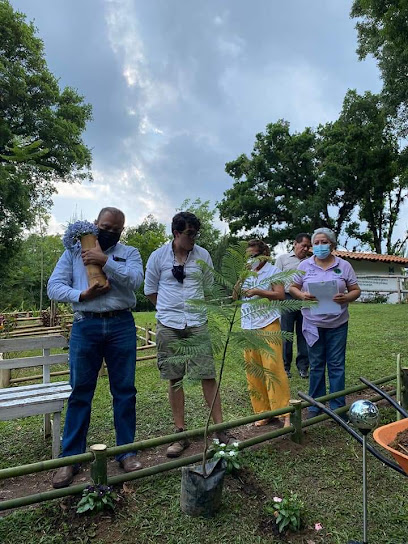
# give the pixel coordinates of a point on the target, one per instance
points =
(112, 313)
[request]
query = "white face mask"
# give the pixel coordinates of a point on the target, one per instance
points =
(255, 264)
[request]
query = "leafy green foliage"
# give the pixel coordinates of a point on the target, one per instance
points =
(297, 182)
(151, 512)
(222, 305)
(146, 237)
(26, 274)
(228, 452)
(40, 130)
(361, 171)
(275, 186)
(382, 32)
(96, 498)
(287, 511)
(209, 235)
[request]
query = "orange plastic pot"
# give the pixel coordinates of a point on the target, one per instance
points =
(386, 434)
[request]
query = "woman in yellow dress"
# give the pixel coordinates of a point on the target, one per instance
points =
(269, 385)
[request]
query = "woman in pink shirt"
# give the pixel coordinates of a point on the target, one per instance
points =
(326, 333)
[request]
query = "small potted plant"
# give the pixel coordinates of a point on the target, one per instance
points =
(85, 233)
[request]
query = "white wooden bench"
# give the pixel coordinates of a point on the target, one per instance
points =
(45, 398)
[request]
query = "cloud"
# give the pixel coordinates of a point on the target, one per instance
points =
(54, 226)
(79, 192)
(180, 88)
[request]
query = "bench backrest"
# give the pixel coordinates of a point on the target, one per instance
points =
(9, 345)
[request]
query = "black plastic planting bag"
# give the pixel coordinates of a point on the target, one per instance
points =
(201, 495)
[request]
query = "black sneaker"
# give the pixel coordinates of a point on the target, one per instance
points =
(304, 374)
(288, 373)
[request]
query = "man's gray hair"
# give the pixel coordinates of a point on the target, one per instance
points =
(327, 232)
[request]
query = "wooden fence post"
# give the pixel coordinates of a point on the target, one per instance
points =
(53, 313)
(296, 421)
(5, 375)
(148, 336)
(47, 379)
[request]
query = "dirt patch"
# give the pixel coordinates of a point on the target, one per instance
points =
(12, 488)
(400, 442)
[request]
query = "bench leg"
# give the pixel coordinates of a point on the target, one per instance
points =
(47, 425)
(56, 431)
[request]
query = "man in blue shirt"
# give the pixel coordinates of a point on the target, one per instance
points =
(103, 328)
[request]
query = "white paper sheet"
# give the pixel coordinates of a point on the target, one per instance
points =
(324, 291)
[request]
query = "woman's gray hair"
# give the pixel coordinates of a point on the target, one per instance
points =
(327, 232)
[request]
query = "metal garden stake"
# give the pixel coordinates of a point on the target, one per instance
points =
(364, 415)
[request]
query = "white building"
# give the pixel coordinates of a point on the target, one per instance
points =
(384, 274)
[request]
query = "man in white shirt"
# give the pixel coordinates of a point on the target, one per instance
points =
(290, 320)
(173, 276)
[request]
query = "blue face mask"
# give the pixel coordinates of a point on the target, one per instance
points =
(321, 251)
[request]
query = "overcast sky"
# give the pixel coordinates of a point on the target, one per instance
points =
(180, 87)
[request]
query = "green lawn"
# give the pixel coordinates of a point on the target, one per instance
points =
(325, 471)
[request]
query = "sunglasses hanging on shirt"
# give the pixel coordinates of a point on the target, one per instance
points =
(178, 269)
(178, 272)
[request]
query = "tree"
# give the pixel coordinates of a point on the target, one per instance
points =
(209, 235)
(276, 188)
(146, 237)
(222, 304)
(348, 169)
(40, 130)
(27, 273)
(361, 172)
(383, 33)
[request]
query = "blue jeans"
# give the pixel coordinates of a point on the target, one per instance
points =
(330, 350)
(92, 340)
(290, 320)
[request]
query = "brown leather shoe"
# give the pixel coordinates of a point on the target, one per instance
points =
(225, 437)
(131, 464)
(64, 476)
(176, 448)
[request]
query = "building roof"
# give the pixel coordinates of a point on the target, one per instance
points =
(374, 257)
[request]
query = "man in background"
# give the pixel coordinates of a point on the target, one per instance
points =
(293, 320)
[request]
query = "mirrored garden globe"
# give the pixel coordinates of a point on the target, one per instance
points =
(364, 415)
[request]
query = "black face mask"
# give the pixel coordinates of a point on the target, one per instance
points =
(107, 239)
(178, 272)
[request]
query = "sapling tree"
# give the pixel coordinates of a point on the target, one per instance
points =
(222, 305)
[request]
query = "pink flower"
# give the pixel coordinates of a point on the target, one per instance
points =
(277, 499)
(318, 526)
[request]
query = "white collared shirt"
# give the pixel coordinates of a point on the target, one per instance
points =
(286, 262)
(252, 319)
(172, 296)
